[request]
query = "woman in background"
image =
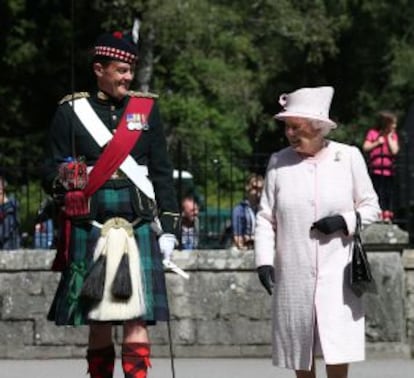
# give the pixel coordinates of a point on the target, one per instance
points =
(381, 142)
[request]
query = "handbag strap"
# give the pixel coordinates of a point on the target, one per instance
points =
(358, 224)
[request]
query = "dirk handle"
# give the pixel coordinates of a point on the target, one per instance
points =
(170, 265)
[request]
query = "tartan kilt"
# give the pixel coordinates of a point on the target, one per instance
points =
(68, 308)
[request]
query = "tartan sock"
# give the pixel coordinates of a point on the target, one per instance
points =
(135, 359)
(101, 362)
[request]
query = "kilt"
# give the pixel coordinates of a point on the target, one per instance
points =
(68, 308)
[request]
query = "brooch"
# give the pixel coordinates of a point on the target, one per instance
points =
(338, 155)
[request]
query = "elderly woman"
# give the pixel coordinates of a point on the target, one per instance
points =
(303, 239)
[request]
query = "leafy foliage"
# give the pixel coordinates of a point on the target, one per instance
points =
(218, 65)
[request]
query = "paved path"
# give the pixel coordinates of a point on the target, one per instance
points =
(201, 368)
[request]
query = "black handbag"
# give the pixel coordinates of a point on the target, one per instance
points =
(361, 279)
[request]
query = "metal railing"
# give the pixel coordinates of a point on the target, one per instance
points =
(217, 184)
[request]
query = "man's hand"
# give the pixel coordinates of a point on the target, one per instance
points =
(329, 225)
(267, 277)
(167, 244)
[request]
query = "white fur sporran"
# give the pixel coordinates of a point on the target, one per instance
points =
(116, 239)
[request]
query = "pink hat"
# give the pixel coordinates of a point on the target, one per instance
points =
(310, 103)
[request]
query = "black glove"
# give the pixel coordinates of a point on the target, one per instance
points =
(329, 225)
(267, 277)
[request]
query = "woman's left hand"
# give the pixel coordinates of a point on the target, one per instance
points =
(329, 225)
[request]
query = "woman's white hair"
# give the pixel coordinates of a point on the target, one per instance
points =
(321, 125)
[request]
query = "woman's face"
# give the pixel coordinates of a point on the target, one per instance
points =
(392, 126)
(302, 136)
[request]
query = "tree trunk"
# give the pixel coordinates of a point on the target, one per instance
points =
(146, 61)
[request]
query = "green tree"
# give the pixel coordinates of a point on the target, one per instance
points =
(218, 65)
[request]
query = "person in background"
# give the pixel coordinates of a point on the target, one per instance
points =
(189, 224)
(303, 239)
(244, 213)
(118, 221)
(382, 144)
(9, 219)
(44, 236)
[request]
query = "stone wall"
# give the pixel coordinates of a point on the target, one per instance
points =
(408, 261)
(220, 311)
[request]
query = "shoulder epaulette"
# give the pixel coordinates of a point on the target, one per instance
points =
(74, 96)
(142, 94)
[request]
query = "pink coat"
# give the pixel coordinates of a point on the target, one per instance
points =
(310, 269)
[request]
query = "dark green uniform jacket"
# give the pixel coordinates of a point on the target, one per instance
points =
(68, 138)
(118, 197)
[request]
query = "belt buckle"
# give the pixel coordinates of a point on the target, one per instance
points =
(117, 222)
(118, 174)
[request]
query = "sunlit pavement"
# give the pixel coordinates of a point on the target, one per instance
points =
(202, 368)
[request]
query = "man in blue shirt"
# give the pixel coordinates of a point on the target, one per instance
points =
(244, 213)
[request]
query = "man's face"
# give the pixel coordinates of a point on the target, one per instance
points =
(114, 78)
(254, 191)
(2, 190)
(190, 210)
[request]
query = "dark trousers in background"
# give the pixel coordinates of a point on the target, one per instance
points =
(383, 185)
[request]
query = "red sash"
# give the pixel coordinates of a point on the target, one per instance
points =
(136, 114)
(120, 145)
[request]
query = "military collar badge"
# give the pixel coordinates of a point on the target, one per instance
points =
(137, 121)
(102, 96)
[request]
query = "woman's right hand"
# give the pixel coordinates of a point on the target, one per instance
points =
(267, 277)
